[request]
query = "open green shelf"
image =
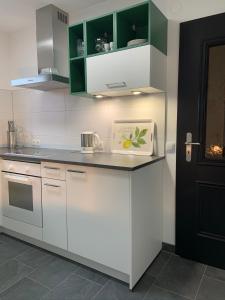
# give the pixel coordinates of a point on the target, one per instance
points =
(77, 76)
(76, 58)
(141, 21)
(99, 28)
(76, 33)
(132, 24)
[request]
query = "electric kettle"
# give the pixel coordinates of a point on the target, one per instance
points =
(90, 141)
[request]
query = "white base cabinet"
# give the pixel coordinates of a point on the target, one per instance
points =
(110, 220)
(115, 217)
(98, 215)
(54, 212)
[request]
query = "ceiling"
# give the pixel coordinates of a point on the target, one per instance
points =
(15, 15)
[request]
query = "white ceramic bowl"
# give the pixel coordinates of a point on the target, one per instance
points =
(136, 42)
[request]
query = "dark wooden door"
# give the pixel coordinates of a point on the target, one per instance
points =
(200, 192)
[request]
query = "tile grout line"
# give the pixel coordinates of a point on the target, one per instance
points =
(171, 292)
(219, 280)
(200, 283)
(92, 281)
(155, 278)
(57, 285)
(36, 281)
(36, 268)
(155, 283)
(163, 268)
(51, 289)
(18, 280)
(18, 260)
(101, 289)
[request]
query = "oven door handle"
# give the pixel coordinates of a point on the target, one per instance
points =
(17, 178)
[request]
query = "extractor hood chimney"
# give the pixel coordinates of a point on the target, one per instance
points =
(52, 51)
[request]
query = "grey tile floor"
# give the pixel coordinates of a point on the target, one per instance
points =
(29, 273)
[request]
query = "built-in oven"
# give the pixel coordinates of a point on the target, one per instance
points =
(21, 192)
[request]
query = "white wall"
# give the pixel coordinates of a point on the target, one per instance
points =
(57, 118)
(4, 61)
(6, 114)
(23, 53)
(24, 62)
(171, 131)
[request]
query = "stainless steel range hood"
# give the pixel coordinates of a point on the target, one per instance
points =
(52, 51)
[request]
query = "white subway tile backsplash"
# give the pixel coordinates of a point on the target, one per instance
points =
(6, 114)
(38, 101)
(48, 123)
(57, 118)
(76, 102)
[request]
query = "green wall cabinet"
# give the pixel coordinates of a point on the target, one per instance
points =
(143, 21)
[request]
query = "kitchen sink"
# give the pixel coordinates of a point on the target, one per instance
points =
(34, 154)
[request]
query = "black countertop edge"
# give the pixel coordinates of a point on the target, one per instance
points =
(38, 160)
(104, 166)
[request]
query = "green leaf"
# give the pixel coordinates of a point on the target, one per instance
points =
(136, 145)
(143, 133)
(137, 131)
(141, 141)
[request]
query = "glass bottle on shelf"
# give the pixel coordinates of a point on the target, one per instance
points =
(80, 47)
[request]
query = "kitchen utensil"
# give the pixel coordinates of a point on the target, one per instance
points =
(80, 47)
(136, 42)
(111, 46)
(11, 126)
(89, 142)
(11, 135)
(106, 47)
(99, 44)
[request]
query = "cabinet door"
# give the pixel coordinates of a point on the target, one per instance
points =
(117, 71)
(54, 212)
(98, 215)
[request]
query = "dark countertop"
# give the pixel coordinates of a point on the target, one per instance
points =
(100, 160)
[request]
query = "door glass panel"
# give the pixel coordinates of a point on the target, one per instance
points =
(20, 195)
(215, 119)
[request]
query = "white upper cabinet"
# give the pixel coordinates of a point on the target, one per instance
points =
(119, 73)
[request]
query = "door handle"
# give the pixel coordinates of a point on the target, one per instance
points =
(52, 168)
(195, 144)
(115, 85)
(52, 185)
(76, 171)
(189, 145)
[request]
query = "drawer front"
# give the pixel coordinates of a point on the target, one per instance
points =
(53, 170)
(21, 167)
